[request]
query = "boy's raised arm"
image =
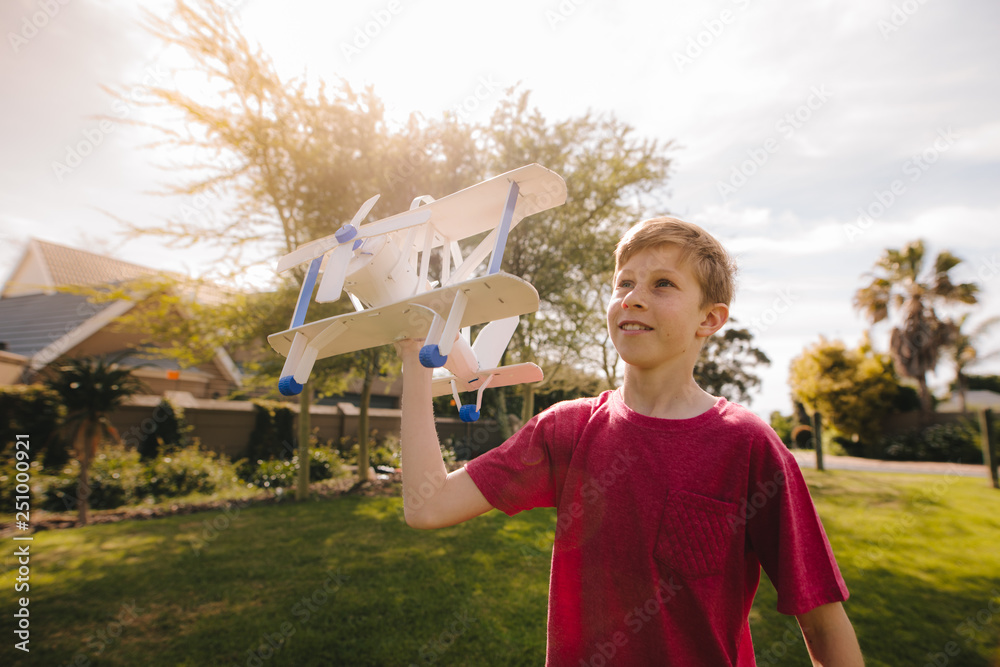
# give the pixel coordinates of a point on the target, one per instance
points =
(432, 498)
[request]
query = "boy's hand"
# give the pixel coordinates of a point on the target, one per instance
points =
(408, 349)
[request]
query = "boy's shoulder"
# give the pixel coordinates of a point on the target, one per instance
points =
(585, 405)
(727, 419)
(739, 416)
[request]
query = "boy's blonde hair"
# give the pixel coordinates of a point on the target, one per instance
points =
(713, 267)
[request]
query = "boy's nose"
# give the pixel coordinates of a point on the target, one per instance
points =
(632, 300)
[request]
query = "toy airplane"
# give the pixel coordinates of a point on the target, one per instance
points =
(383, 266)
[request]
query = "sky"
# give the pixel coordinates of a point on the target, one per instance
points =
(807, 136)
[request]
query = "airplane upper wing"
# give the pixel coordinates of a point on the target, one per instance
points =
(479, 208)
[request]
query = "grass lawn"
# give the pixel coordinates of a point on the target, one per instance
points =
(345, 582)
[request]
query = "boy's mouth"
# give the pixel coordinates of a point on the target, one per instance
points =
(634, 326)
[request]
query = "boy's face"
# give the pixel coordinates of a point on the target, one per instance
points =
(655, 316)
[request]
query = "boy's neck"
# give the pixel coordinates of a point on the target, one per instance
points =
(664, 397)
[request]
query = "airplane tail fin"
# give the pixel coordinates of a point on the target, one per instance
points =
(492, 341)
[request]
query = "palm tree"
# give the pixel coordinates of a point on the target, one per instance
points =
(964, 352)
(91, 389)
(917, 341)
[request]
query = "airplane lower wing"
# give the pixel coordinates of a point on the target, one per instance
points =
(489, 298)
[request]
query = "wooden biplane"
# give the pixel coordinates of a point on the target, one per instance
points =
(384, 266)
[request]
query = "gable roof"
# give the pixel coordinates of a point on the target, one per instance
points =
(29, 324)
(41, 323)
(46, 266)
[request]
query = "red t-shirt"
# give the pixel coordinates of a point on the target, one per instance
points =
(662, 527)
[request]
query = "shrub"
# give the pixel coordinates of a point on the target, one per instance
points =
(957, 443)
(186, 471)
(170, 433)
(386, 454)
(782, 425)
(36, 411)
(116, 475)
(273, 434)
(279, 473)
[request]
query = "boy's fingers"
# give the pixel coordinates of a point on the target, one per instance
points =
(407, 345)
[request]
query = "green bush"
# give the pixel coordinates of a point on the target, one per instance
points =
(783, 426)
(118, 476)
(324, 463)
(115, 478)
(387, 453)
(186, 471)
(273, 434)
(35, 411)
(171, 432)
(957, 443)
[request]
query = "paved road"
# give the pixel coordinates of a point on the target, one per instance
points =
(807, 459)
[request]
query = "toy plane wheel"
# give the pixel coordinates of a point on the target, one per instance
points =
(288, 386)
(468, 413)
(431, 357)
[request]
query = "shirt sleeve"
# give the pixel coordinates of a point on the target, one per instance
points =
(519, 474)
(786, 532)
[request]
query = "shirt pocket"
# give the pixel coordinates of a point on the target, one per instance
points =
(697, 536)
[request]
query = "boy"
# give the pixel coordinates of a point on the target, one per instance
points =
(668, 499)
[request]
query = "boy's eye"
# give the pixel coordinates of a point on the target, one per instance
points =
(664, 283)
(624, 283)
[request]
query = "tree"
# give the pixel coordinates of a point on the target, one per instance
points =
(901, 283)
(983, 383)
(964, 352)
(724, 367)
(782, 426)
(566, 252)
(287, 161)
(91, 389)
(851, 389)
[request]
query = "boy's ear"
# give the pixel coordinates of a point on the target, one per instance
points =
(716, 316)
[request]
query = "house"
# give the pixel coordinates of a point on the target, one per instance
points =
(41, 321)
